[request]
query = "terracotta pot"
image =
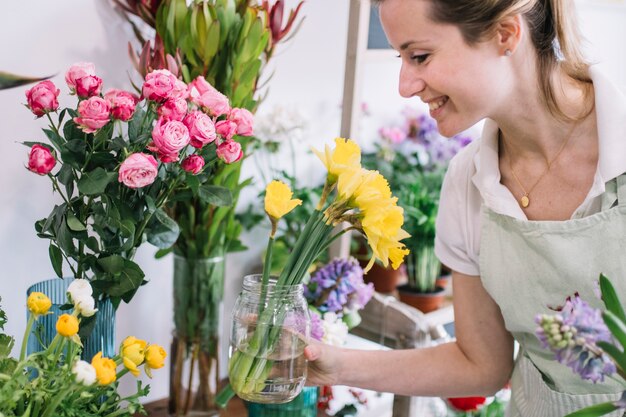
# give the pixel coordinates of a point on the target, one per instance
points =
(424, 302)
(385, 280)
(443, 281)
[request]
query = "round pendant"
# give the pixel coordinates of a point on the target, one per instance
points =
(525, 201)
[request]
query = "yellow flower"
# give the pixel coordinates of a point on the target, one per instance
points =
(278, 200)
(351, 179)
(155, 358)
(67, 325)
(385, 219)
(372, 190)
(132, 352)
(387, 248)
(38, 303)
(346, 154)
(105, 369)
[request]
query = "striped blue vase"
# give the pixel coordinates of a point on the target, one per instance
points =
(102, 338)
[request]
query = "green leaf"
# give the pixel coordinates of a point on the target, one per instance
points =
(134, 126)
(55, 139)
(66, 177)
(215, 195)
(162, 231)
(616, 326)
(95, 182)
(594, 410)
(163, 252)
(610, 298)
(130, 278)
(74, 224)
(8, 80)
(87, 324)
(92, 243)
(618, 356)
(56, 258)
(113, 264)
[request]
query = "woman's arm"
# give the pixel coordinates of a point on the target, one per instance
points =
(479, 362)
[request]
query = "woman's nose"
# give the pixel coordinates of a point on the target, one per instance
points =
(411, 81)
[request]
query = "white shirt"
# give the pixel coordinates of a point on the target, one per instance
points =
(473, 179)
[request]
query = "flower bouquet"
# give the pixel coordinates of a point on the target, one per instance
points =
(363, 200)
(55, 382)
(590, 341)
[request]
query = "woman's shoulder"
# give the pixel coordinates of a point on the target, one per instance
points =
(462, 167)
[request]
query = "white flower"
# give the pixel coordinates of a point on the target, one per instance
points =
(78, 289)
(85, 373)
(85, 305)
(335, 330)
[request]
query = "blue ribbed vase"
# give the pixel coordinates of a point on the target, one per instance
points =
(304, 405)
(102, 338)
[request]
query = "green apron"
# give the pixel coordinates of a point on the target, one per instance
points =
(527, 266)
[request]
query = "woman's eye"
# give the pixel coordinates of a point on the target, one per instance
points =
(420, 58)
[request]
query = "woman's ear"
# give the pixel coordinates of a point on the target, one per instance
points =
(509, 34)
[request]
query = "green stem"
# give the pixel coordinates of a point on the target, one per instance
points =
(56, 187)
(266, 270)
(55, 402)
(29, 325)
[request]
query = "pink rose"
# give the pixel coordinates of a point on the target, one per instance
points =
(88, 86)
(78, 71)
(193, 164)
(40, 160)
(159, 85)
(394, 135)
(42, 98)
(180, 90)
(138, 170)
(122, 104)
(229, 151)
(173, 109)
(94, 113)
(244, 121)
(226, 128)
(169, 137)
(205, 95)
(201, 128)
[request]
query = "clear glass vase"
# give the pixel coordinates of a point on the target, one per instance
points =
(304, 405)
(194, 364)
(269, 332)
(423, 268)
(101, 338)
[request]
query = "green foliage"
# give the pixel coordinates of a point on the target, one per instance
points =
(8, 80)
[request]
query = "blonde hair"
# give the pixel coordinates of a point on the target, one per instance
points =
(553, 31)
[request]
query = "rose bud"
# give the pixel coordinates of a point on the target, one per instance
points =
(229, 151)
(40, 160)
(193, 164)
(122, 104)
(42, 98)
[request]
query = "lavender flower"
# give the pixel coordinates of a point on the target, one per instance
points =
(317, 327)
(572, 335)
(338, 287)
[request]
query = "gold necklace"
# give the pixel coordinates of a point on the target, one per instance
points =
(525, 200)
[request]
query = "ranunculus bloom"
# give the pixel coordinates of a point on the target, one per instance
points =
(201, 129)
(40, 160)
(160, 85)
(278, 201)
(85, 305)
(38, 303)
(138, 170)
(173, 109)
(155, 358)
(93, 114)
(244, 121)
(168, 138)
(79, 288)
(229, 151)
(88, 86)
(78, 71)
(205, 95)
(193, 164)
(105, 369)
(42, 98)
(122, 104)
(132, 352)
(84, 372)
(67, 325)
(226, 128)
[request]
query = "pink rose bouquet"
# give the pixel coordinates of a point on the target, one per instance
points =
(117, 158)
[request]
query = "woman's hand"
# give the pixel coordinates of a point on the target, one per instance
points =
(324, 363)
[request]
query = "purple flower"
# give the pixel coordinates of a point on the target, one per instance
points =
(337, 286)
(317, 327)
(573, 335)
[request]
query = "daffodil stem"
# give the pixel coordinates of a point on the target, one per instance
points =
(29, 326)
(266, 273)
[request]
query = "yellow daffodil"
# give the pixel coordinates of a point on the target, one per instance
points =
(278, 201)
(374, 189)
(38, 303)
(67, 325)
(387, 248)
(345, 155)
(351, 179)
(155, 359)
(384, 220)
(105, 369)
(132, 352)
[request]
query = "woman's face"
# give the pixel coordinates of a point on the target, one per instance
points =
(460, 83)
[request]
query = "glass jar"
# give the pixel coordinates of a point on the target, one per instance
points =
(269, 332)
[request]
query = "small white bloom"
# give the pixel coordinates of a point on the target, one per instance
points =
(85, 305)
(85, 373)
(78, 289)
(335, 330)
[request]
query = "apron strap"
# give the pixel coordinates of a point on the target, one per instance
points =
(621, 190)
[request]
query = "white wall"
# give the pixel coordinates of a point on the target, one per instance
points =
(42, 37)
